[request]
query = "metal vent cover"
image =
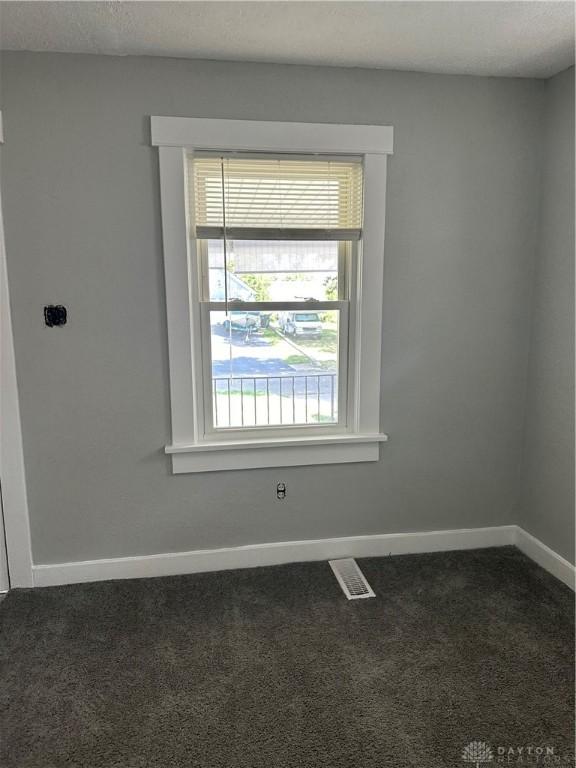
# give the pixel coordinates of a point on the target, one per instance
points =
(351, 578)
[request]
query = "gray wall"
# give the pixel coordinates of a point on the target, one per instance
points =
(547, 506)
(83, 228)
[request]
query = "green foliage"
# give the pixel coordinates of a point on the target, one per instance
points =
(260, 284)
(298, 360)
(331, 286)
(270, 335)
(322, 418)
(327, 342)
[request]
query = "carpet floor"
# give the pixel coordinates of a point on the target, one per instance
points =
(274, 668)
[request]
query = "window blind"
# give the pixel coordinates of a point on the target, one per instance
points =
(276, 199)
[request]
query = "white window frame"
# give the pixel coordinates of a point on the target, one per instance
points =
(192, 449)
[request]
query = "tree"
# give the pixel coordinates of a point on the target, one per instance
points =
(331, 288)
(260, 284)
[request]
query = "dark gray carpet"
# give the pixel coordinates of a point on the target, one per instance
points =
(274, 668)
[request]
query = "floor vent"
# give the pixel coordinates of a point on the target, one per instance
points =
(351, 578)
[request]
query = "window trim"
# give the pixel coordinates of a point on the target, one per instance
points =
(191, 450)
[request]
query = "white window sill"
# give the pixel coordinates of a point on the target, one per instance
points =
(274, 452)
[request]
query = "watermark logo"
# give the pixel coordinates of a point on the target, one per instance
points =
(477, 752)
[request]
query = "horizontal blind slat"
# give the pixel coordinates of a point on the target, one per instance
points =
(271, 233)
(277, 194)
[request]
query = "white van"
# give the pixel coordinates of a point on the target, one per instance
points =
(301, 323)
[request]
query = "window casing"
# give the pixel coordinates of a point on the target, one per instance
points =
(279, 198)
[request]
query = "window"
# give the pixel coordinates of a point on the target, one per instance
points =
(273, 256)
(275, 239)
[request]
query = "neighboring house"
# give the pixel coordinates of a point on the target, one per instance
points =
(237, 288)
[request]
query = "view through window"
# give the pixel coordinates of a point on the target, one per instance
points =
(275, 272)
(274, 367)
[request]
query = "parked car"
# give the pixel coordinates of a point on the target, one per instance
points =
(301, 323)
(241, 321)
(238, 290)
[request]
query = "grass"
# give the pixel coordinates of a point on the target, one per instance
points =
(297, 360)
(327, 342)
(248, 392)
(322, 418)
(269, 335)
(325, 365)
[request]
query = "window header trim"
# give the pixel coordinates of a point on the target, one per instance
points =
(268, 136)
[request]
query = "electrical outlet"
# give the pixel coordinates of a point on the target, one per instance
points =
(281, 491)
(55, 315)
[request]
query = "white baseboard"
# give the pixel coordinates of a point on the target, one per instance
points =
(253, 555)
(545, 557)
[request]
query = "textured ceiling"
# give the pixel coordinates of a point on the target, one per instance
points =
(524, 39)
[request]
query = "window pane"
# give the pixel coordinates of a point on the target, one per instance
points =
(273, 270)
(271, 369)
